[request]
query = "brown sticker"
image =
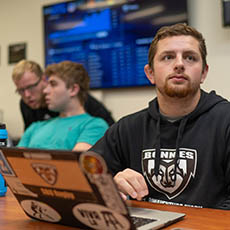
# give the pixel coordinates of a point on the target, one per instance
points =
(93, 163)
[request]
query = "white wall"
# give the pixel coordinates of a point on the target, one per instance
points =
(21, 21)
(206, 17)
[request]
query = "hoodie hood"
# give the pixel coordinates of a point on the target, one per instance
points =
(206, 102)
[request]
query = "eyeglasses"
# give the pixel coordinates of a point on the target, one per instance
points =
(29, 87)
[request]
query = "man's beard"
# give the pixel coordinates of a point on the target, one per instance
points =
(180, 91)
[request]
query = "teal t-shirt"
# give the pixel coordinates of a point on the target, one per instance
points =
(64, 132)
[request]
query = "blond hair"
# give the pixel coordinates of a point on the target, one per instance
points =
(25, 65)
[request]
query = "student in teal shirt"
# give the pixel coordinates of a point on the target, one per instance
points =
(75, 129)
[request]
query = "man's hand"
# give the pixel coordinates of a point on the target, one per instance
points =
(131, 183)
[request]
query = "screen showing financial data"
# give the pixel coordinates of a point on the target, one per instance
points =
(110, 38)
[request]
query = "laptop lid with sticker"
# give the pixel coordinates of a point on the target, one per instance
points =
(64, 187)
(71, 188)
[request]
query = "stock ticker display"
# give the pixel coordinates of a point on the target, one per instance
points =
(110, 38)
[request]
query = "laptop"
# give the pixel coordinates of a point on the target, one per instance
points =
(74, 189)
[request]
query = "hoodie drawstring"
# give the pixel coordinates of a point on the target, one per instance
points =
(158, 147)
(178, 140)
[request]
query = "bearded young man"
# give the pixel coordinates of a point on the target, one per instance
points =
(177, 150)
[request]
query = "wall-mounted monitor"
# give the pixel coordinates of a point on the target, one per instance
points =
(110, 38)
(226, 12)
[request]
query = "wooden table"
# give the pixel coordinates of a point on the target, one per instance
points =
(12, 217)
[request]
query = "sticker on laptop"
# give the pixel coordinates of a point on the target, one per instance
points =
(18, 188)
(92, 163)
(96, 170)
(99, 217)
(47, 172)
(5, 169)
(40, 210)
(108, 192)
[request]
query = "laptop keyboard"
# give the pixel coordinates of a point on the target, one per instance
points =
(139, 221)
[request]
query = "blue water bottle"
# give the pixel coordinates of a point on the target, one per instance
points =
(3, 143)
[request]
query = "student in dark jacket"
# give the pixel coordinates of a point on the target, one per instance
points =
(176, 151)
(30, 82)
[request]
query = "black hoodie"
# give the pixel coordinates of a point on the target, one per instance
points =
(184, 162)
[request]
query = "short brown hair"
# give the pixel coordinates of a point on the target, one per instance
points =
(177, 30)
(24, 65)
(71, 73)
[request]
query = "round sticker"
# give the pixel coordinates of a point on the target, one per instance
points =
(40, 210)
(99, 217)
(93, 163)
